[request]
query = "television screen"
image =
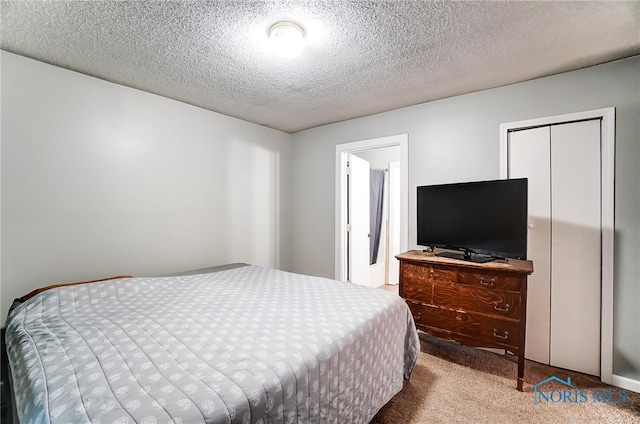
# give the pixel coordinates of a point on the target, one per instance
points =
(485, 217)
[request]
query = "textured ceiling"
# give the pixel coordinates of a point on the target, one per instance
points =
(362, 57)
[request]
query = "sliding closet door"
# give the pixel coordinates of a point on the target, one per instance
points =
(575, 248)
(529, 156)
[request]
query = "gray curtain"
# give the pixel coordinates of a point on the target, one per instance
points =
(375, 206)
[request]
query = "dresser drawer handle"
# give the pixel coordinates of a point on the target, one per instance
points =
(417, 317)
(489, 283)
(505, 309)
(497, 335)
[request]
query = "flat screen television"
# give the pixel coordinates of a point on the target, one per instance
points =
(483, 219)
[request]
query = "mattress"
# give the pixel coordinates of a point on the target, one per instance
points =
(243, 345)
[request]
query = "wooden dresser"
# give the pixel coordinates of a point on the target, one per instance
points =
(483, 305)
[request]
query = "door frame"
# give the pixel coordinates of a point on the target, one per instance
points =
(342, 150)
(607, 193)
(393, 231)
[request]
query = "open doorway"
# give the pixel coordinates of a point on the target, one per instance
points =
(356, 260)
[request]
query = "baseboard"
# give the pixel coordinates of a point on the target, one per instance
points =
(626, 383)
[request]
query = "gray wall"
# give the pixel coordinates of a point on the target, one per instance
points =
(457, 139)
(100, 179)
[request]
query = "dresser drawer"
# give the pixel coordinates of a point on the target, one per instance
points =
(492, 331)
(421, 292)
(498, 303)
(414, 273)
(491, 280)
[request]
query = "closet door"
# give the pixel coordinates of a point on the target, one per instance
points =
(575, 246)
(529, 157)
(562, 163)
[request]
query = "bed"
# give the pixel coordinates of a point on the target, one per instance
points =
(238, 344)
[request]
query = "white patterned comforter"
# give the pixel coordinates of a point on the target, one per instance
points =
(246, 345)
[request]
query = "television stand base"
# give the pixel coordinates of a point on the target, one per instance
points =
(467, 256)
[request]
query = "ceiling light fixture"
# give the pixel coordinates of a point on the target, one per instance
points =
(287, 39)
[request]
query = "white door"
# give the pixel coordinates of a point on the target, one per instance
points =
(529, 153)
(575, 246)
(563, 165)
(358, 220)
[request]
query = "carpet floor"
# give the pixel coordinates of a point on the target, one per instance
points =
(458, 384)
